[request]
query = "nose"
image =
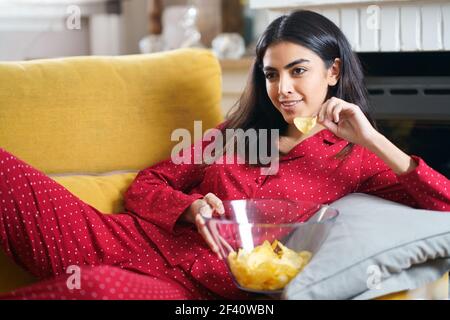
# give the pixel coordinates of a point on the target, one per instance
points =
(285, 86)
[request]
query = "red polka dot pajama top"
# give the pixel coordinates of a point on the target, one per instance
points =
(146, 252)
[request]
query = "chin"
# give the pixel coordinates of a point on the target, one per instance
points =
(289, 120)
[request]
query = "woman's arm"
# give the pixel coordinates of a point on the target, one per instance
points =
(386, 171)
(160, 193)
(396, 159)
(420, 187)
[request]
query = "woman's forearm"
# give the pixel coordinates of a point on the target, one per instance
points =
(395, 158)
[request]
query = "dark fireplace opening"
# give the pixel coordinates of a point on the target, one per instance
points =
(410, 99)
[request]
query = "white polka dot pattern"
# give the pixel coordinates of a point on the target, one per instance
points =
(108, 283)
(308, 172)
(45, 228)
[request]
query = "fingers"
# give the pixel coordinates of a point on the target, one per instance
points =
(326, 111)
(332, 109)
(206, 206)
(329, 111)
(335, 112)
(225, 243)
(214, 202)
(205, 209)
(201, 227)
(323, 110)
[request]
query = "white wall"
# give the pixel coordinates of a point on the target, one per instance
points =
(30, 34)
(33, 39)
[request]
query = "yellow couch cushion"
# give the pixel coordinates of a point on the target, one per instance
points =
(104, 192)
(437, 290)
(100, 114)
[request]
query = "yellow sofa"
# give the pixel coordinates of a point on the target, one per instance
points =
(92, 122)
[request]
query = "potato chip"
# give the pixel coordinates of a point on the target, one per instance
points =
(305, 124)
(267, 266)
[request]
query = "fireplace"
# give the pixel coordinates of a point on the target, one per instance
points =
(410, 98)
(406, 59)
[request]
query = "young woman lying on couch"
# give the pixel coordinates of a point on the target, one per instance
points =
(159, 247)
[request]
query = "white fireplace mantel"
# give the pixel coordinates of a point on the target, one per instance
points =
(379, 25)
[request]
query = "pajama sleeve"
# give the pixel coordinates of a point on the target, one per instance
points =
(159, 194)
(422, 187)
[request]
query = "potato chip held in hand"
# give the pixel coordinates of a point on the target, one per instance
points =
(267, 266)
(305, 124)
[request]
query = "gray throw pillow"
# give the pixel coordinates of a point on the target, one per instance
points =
(376, 247)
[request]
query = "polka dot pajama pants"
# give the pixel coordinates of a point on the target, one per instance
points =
(76, 251)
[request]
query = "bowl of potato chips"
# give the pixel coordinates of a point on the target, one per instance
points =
(267, 242)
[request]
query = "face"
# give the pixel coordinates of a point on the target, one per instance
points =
(297, 79)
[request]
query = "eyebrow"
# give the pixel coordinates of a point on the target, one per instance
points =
(289, 65)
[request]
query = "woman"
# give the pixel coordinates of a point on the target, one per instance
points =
(159, 247)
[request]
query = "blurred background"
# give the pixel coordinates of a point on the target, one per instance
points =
(31, 29)
(39, 29)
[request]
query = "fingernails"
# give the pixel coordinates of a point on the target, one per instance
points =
(205, 211)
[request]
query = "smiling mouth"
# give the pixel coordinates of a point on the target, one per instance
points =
(290, 104)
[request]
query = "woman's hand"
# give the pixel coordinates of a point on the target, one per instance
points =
(204, 207)
(347, 121)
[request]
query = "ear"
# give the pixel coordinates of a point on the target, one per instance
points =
(334, 72)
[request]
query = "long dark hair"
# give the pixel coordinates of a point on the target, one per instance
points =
(317, 33)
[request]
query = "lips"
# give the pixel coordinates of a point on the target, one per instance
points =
(289, 104)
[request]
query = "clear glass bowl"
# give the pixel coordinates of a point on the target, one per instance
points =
(266, 242)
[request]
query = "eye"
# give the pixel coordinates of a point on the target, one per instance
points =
(269, 75)
(298, 71)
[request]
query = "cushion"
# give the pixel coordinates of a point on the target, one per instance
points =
(100, 114)
(376, 247)
(104, 192)
(437, 290)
